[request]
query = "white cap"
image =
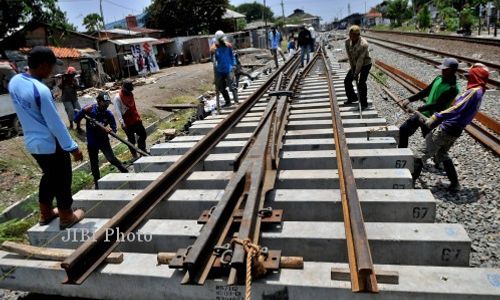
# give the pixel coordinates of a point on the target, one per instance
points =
(219, 35)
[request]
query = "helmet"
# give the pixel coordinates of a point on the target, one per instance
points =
(71, 70)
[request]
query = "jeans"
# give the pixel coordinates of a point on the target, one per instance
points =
(105, 147)
(56, 178)
(305, 50)
(69, 107)
(362, 90)
(409, 128)
(138, 129)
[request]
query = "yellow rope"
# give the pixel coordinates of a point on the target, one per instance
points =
(252, 251)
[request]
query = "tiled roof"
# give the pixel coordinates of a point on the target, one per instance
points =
(60, 52)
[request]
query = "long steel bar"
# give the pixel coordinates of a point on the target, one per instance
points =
(86, 258)
(491, 82)
(363, 277)
(475, 130)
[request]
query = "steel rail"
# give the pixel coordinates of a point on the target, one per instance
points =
(492, 82)
(363, 278)
(244, 187)
(477, 131)
(475, 40)
(88, 256)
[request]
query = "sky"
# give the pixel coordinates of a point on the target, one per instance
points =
(114, 10)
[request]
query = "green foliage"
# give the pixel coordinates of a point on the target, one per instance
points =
(398, 11)
(93, 22)
(467, 18)
(294, 20)
(13, 230)
(15, 13)
(424, 17)
(451, 24)
(253, 11)
(187, 17)
(241, 24)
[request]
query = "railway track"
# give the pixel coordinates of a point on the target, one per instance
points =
(434, 57)
(484, 128)
(293, 169)
(468, 39)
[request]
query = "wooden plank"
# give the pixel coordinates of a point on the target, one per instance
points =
(55, 254)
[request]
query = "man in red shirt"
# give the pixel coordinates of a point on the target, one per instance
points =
(129, 117)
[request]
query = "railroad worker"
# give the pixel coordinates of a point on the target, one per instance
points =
(225, 62)
(292, 46)
(69, 86)
(314, 35)
(129, 117)
(275, 44)
(440, 94)
(360, 62)
(449, 124)
(46, 137)
(304, 42)
(97, 138)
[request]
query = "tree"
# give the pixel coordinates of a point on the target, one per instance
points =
(398, 11)
(93, 22)
(424, 17)
(16, 13)
(186, 17)
(467, 18)
(253, 11)
(449, 18)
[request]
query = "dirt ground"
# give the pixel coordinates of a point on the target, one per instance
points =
(19, 172)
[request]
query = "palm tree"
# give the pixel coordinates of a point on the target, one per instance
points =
(93, 22)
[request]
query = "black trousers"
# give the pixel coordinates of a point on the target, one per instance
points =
(105, 148)
(138, 129)
(362, 90)
(56, 178)
(408, 128)
(221, 82)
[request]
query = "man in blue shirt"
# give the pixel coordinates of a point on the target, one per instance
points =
(275, 44)
(224, 66)
(46, 137)
(97, 138)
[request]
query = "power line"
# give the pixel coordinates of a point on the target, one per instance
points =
(119, 5)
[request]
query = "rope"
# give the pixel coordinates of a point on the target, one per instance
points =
(255, 259)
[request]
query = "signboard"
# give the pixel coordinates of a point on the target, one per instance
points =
(144, 58)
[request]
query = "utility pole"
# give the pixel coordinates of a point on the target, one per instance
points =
(283, 10)
(264, 16)
(102, 13)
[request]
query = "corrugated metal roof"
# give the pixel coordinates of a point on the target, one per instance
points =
(120, 31)
(231, 14)
(133, 41)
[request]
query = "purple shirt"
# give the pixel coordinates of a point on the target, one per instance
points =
(461, 113)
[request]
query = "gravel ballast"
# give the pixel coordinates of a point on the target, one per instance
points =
(476, 205)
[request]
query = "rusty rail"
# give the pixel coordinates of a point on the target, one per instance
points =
(363, 278)
(87, 257)
(476, 129)
(492, 82)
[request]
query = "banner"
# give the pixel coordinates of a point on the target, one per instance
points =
(144, 58)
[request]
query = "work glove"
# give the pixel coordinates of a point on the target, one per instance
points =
(429, 122)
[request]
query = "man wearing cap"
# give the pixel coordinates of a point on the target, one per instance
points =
(224, 67)
(360, 62)
(69, 98)
(46, 137)
(97, 138)
(440, 94)
(449, 124)
(129, 117)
